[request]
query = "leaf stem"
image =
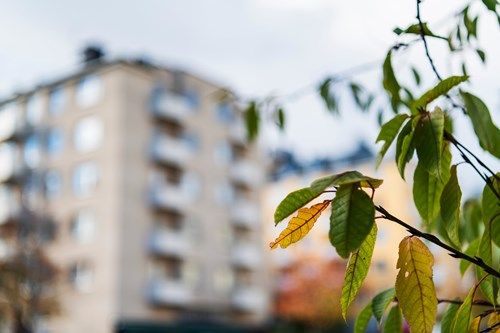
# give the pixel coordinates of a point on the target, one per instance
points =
(433, 239)
(478, 302)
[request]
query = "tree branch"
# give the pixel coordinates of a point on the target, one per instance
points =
(429, 58)
(433, 239)
(477, 302)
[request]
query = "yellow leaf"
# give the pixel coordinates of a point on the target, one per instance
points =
(300, 225)
(494, 319)
(414, 286)
(474, 325)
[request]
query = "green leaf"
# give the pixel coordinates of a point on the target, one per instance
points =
(352, 218)
(470, 251)
(482, 55)
(381, 302)
(390, 83)
(448, 317)
(415, 29)
(450, 206)
(357, 269)
(405, 145)
(293, 201)
(491, 5)
(485, 252)
(490, 204)
(429, 141)
(461, 322)
(427, 190)
(416, 76)
(394, 321)
(252, 121)
(472, 220)
(388, 133)
(281, 118)
(328, 96)
(440, 89)
(487, 133)
(345, 178)
(363, 319)
(414, 286)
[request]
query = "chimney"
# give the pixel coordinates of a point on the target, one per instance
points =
(92, 54)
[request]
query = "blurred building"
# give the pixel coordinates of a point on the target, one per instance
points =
(154, 194)
(394, 195)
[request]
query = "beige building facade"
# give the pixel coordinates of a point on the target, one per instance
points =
(154, 194)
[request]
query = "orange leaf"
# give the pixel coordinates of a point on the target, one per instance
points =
(300, 225)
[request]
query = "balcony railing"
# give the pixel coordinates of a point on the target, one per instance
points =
(11, 163)
(168, 292)
(248, 299)
(168, 149)
(247, 173)
(169, 196)
(171, 106)
(245, 256)
(244, 213)
(10, 206)
(12, 124)
(167, 242)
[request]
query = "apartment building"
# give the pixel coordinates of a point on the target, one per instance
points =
(153, 192)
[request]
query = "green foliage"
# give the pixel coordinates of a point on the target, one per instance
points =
(440, 89)
(405, 145)
(388, 133)
(394, 321)
(294, 201)
(363, 318)
(390, 83)
(448, 317)
(345, 178)
(470, 251)
(450, 206)
(381, 301)
(357, 269)
(281, 120)
(416, 30)
(328, 96)
(252, 120)
(414, 285)
(351, 220)
(429, 141)
(461, 320)
(487, 133)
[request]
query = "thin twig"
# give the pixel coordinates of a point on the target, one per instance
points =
(477, 302)
(433, 239)
(431, 61)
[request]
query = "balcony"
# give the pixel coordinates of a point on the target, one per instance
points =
(166, 242)
(245, 214)
(166, 292)
(171, 106)
(10, 206)
(12, 124)
(245, 256)
(248, 299)
(168, 149)
(11, 162)
(170, 196)
(247, 173)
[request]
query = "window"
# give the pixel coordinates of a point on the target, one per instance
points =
(192, 98)
(88, 91)
(89, 133)
(57, 101)
(192, 140)
(225, 113)
(55, 142)
(53, 183)
(32, 151)
(223, 153)
(81, 276)
(34, 110)
(191, 185)
(224, 194)
(85, 178)
(83, 226)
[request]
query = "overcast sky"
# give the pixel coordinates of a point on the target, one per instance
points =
(254, 46)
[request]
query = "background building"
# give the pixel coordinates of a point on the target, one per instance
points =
(153, 193)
